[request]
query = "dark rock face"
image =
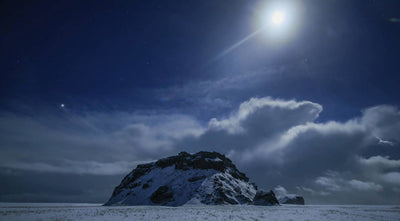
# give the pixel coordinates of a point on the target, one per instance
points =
(196, 178)
(264, 198)
(162, 195)
(299, 200)
(200, 160)
(204, 177)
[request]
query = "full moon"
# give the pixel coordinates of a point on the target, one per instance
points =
(277, 17)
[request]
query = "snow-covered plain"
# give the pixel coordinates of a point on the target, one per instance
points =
(32, 211)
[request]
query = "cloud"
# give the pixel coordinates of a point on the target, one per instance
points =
(312, 192)
(383, 121)
(256, 121)
(280, 191)
(74, 167)
(90, 143)
(360, 185)
(334, 182)
(329, 183)
(276, 142)
(379, 162)
(253, 114)
(392, 177)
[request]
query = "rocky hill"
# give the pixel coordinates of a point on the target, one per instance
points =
(201, 178)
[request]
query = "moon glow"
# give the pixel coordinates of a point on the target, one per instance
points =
(277, 18)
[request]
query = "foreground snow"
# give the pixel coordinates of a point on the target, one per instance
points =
(15, 211)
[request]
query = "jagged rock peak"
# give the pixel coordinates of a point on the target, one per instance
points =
(202, 160)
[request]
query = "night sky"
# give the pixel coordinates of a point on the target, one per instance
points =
(90, 89)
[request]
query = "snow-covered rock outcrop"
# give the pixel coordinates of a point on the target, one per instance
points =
(201, 178)
(291, 199)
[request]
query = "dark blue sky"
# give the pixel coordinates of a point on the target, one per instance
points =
(153, 67)
(116, 54)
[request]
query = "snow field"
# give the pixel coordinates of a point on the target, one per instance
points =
(230, 212)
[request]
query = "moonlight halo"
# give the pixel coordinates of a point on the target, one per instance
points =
(279, 20)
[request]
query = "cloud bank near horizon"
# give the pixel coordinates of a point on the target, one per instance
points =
(278, 143)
